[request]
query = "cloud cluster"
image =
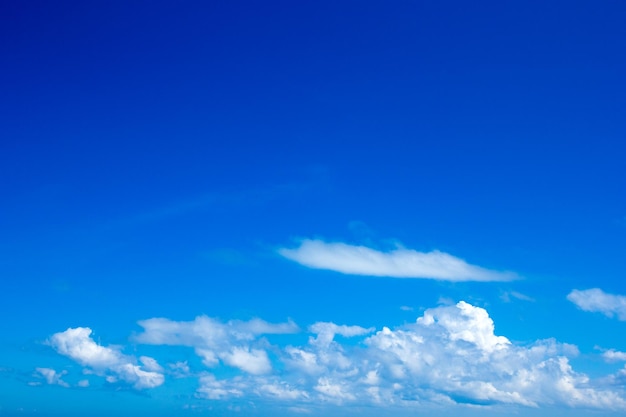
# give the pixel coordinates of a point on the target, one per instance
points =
(449, 355)
(77, 344)
(398, 263)
(214, 341)
(596, 300)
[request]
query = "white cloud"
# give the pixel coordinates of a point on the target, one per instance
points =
(77, 344)
(214, 389)
(596, 300)
(338, 391)
(398, 263)
(300, 410)
(281, 391)
(454, 351)
(449, 355)
(213, 340)
(617, 379)
(253, 361)
(52, 377)
(614, 356)
(150, 364)
(326, 331)
(179, 369)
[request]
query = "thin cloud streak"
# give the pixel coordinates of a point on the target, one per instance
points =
(397, 263)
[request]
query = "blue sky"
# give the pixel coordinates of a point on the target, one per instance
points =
(312, 208)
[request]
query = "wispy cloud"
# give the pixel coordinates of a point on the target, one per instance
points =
(596, 300)
(315, 178)
(51, 376)
(508, 295)
(397, 263)
(450, 355)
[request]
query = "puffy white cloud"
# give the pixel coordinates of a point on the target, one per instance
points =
(612, 355)
(398, 263)
(77, 344)
(303, 361)
(214, 341)
(449, 355)
(52, 377)
(253, 361)
(618, 378)
(338, 391)
(596, 300)
(150, 364)
(323, 352)
(454, 351)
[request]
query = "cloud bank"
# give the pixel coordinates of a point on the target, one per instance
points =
(397, 263)
(449, 355)
(596, 300)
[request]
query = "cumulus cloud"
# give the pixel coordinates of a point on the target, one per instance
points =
(77, 344)
(596, 300)
(215, 341)
(454, 351)
(612, 355)
(397, 263)
(449, 355)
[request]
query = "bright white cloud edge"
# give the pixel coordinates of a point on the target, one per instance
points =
(450, 355)
(77, 344)
(598, 301)
(397, 263)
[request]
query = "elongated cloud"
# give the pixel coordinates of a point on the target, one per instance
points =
(398, 263)
(596, 300)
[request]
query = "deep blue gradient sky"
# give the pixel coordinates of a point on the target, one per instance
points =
(156, 157)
